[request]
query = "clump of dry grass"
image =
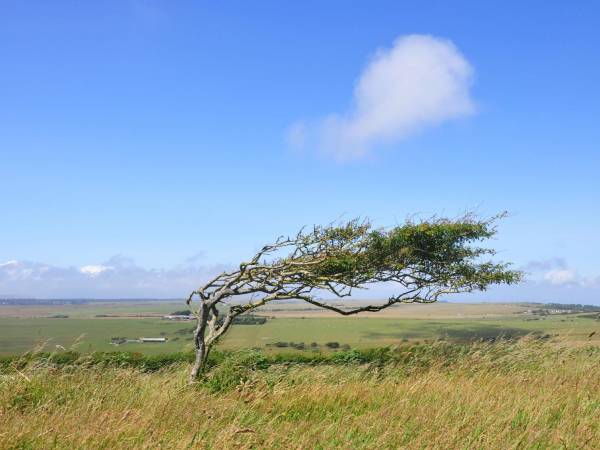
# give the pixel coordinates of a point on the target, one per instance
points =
(524, 395)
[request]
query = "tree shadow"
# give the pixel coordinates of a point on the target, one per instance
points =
(489, 333)
(458, 333)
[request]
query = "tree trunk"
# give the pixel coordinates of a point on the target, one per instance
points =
(199, 341)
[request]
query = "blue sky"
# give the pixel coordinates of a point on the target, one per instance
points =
(166, 140)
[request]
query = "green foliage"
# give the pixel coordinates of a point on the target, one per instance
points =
(437, 253)
(28, 397)
(234, 369)
(183, 312)
(249, 319)
(352, 356)
(145, 363)
(63, 358)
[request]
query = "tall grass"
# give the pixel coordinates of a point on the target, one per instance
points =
(527, 394)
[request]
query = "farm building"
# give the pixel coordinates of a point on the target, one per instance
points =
(153, 339)
(177, 317)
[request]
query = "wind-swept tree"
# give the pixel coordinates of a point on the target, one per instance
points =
(423, 259)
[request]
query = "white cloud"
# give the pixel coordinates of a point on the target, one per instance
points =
(556, 272)
(421, 81)
(561, 276)
(94, 270)
(12, 262)
(119, 277)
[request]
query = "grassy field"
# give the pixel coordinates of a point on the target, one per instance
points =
(375, 332)
(85, 335)
(528, 394)
(23, 329)
(92, 309)
(435, 376)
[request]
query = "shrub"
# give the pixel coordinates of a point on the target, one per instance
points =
(234, 369)
(185, 312)
(348, 357)
(64, 358)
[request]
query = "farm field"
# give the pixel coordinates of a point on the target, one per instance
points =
(24, 329)
(92, 309)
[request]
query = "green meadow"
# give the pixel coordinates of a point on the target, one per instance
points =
(84, 332)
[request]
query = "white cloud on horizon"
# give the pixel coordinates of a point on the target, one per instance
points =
(421, 81)
(561, 276)
(548, 281)
(556, 272)
(12, 262)
(94, 270)
(119, 277)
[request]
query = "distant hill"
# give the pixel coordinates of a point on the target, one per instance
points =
(79, 301)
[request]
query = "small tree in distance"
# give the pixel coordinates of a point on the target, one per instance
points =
(423, 259)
